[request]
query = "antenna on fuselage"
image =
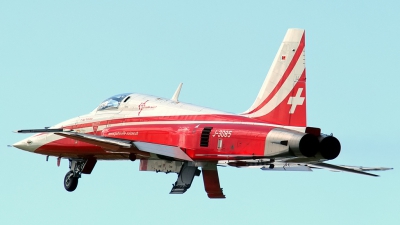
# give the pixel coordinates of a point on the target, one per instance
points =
(177, 92)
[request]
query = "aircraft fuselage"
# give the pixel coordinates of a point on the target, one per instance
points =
(161, 121)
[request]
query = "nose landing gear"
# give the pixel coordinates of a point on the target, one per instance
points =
(77, 167)
(70, 182)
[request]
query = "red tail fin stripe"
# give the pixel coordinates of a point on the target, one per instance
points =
(292, 64)
(283, 93)
(279, 111)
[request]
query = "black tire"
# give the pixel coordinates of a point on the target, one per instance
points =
(70, 182)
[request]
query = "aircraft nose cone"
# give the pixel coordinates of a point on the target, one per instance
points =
(26, 145)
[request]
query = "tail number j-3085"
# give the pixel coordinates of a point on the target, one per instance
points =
(222, 133)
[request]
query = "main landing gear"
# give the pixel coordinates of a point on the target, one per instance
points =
(77, 167)
(185, 178)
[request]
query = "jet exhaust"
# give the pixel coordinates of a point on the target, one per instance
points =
(306, 144)
(300, 144)
(303, 144)
(329, 146)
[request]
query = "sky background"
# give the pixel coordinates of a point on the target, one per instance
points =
(60, 59)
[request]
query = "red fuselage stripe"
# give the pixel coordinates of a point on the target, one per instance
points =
(183, 118)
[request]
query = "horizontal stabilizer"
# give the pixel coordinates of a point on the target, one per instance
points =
(362, 168)
(341, 168)
(287, 166)
(121, 145)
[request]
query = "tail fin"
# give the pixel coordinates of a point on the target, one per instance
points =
(282, 98)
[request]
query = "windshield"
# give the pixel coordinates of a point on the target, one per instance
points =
(112, 102)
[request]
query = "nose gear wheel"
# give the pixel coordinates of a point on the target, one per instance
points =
(70, 182)
(71, 178)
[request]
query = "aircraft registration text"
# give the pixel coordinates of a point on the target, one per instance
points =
(222, 133)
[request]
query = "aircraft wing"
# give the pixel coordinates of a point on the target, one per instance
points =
(121, 145)
(45, 130)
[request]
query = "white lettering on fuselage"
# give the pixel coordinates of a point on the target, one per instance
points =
(85, 119)
(222, 133)
(123, 133)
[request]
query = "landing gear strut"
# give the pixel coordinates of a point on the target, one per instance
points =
(76, 167)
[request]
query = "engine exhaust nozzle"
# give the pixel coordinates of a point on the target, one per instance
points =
(329, 147)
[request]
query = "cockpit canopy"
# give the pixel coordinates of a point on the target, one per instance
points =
(112, 102)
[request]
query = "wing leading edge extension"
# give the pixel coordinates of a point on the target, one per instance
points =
(115, 144)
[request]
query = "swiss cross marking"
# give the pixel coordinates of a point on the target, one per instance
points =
(296, 100)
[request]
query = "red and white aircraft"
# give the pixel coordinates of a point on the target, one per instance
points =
(167, 135)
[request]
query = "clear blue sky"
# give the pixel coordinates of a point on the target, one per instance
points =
(60, 59)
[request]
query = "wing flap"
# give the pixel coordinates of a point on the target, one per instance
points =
(122, 145)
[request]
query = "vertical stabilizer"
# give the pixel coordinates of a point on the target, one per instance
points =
(282, 98)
